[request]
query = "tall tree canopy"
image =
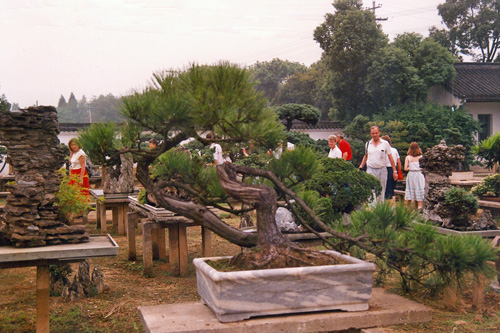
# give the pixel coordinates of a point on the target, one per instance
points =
(405, 70)
(473, 26)
(348, 38)
(271, 75)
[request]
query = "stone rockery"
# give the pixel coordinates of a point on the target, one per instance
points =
(31, 216)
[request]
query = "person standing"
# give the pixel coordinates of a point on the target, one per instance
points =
(218, 156)
(376, 153)
(344, 147)
(391, 182)
(334, 150)
(415, 180)
(78, 173)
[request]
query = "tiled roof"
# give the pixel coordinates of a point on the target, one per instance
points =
(477, 81)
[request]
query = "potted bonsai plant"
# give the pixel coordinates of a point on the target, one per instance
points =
(222, 99)
(488, 188)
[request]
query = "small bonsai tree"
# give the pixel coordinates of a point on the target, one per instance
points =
(70, 200)
(489, 186)
(460, 206)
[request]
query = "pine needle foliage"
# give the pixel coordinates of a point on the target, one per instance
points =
(425, 260)
(100, 142)
(295, 166)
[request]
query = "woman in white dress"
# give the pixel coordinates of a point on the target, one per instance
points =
(415, 181)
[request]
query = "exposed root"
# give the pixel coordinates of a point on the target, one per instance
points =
(280, 256)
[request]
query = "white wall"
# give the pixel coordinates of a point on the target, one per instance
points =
(320, 134)
(492, 108)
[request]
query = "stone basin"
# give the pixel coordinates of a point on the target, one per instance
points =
(235, 296)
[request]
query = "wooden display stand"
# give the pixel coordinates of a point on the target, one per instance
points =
(153, 222)
(42, 257)
(117, 202)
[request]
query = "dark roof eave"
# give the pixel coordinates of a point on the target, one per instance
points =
(481, 99)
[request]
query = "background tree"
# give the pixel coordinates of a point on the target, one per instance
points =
(474, 26)
(348, 38)
(62, 102)
(271, 75)
(303, 112)
(309, 87)
(444, 38)
(105, 108)
(4, 104)
(405, 70)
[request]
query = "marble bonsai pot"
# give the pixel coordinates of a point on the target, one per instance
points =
(235, 296)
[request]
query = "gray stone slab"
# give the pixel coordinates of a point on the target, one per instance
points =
(98, 246)
(385, 310)
(482, 233)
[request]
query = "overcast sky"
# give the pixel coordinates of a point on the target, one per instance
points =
(54, 47)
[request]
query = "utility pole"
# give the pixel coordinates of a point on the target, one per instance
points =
(374, 6)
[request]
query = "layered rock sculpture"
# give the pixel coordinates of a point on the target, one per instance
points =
(437, 164)
(31, 216)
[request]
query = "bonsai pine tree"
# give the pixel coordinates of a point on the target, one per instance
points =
(222, 99)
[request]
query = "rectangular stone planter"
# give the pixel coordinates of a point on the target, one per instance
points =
(235, 296)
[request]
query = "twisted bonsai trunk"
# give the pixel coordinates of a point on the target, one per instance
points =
(271, 249)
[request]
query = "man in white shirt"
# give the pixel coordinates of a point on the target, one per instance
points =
(376, 154)
(334, 150)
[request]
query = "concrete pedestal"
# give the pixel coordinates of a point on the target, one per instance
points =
(385, 310)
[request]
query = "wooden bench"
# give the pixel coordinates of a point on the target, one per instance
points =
(153, 222)
(119, 205)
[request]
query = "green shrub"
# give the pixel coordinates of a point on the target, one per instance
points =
(460, 205)
(345, 186)
(489, 186)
